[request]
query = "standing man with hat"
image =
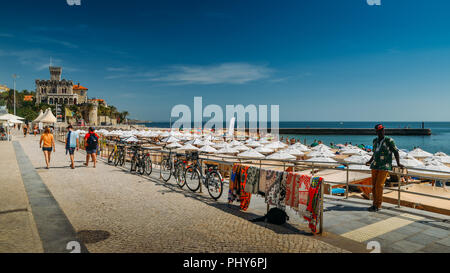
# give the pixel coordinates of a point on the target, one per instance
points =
(381, 164)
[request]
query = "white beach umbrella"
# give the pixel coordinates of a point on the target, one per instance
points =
(227, 150)
(241, 148)
(220, 145)
(251, 154)
(321, 154)
(276, 145)
(188, 147)
(198, 142)
(174, 145)
(171, 139)
(264, 150)
(409, 161)
(235, 143)
(440, 154)
(281, 155)
(164, 134)
(321, 147)
(419, 153)
(253, 144)
(131, 139)
(402, 153)
(208, 143)
(320, 160)
(431, 167)
(7, 117)
(361, 159)
(353, 151)
(301, 147)
(293, 151)
(264, 141)
(207, 149)
(441, 159)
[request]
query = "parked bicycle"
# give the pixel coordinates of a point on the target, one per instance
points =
(137, 160)
(117, 155)
(173, 166)
(212, 179)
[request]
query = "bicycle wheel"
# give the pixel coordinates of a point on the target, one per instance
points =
(180, 175)
(166, 170)
(215, 185)
(117, 155)
(141, 166)
(133, 164)
(148, 165)
(111, 156)
(122, 158)
(192, 178)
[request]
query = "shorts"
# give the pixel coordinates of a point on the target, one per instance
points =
(89, 151)
(71, 151)
(47, 149)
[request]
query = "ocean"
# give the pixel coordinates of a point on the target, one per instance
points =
(439, 141)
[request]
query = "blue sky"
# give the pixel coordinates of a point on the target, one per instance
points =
(321, 60)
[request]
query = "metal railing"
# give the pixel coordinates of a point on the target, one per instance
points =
(303, 165)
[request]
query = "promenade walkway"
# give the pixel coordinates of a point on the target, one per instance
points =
(112, 210)
(18, 233)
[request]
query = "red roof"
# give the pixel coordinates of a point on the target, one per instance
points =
(79, 87)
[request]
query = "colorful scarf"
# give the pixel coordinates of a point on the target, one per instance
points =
(313, 203)
(244, 196)
(292, 190)
(252, 184)
(275, 189)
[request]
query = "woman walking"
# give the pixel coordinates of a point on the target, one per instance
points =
(49, 145)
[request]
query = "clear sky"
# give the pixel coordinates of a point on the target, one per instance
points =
(321, 60)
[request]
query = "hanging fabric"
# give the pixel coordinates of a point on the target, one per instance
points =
(244, 196)
(313, 204)
(252, 184)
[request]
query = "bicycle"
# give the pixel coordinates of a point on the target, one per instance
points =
(137, 160)
(117, 156)
(212, 180)
(172, 167)
(147, 162)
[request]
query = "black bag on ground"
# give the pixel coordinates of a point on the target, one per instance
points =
(274, 216)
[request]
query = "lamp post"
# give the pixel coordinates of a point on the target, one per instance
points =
(15, 77)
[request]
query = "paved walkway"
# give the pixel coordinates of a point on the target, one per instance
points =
(18, 232)
(114, 211)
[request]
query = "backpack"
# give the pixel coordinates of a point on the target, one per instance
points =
(92, 141)
(274, 216)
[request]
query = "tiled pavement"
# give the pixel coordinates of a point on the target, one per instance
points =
(397, 230)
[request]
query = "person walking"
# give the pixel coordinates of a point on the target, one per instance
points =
(381, 164)
(47, 143)
(91, 144)
(72, 143)
(25, 130)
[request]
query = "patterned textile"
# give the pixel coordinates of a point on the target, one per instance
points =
(313, 203)
(303, 193)
(252, 184)
(244, 196)
(275, 188)
(233, 187)
(262, 181)
(236, 191)
(292, 190)
(382, 154)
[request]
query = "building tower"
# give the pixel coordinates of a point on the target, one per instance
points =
(55, 73)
